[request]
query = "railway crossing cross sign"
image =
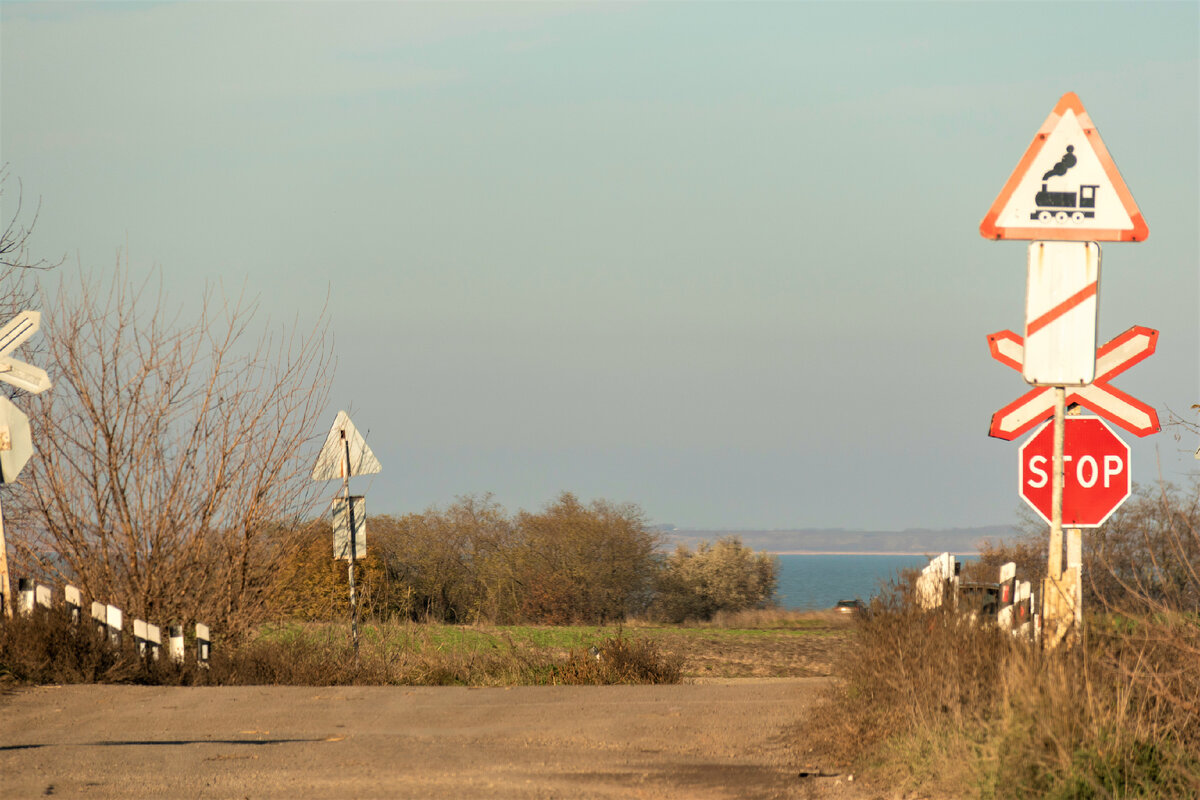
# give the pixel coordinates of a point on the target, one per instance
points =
(24, 376)
(1066, 187)
(1118, 355)
(1096, 472)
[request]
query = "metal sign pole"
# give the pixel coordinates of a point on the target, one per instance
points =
(353, 543)
(1054, 568)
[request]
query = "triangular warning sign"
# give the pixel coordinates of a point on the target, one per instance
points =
(344, 437)
(1066, 187)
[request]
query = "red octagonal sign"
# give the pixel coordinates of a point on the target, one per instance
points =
(1096, 471)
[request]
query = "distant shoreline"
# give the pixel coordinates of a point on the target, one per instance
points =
(855, 553)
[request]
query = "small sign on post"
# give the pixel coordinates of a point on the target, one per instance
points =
(1060, 313)
(349, 525)
(344, 454)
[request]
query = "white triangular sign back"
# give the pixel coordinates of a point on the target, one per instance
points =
(330, 460)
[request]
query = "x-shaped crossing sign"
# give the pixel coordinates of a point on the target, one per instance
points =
(24, 376)
(1132, 346)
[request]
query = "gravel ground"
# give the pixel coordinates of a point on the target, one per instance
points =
(709, 738)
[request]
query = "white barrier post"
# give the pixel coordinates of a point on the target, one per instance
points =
(74, 602)
(24, 596)
(203, 645)
(1026, 623)
(175, 643)
(42, 596)
(1008, 594)
(140, 636)
(100, 615)
(154, 637)
(115, 623)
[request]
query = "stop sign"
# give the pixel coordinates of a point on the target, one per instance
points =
(1096, 471)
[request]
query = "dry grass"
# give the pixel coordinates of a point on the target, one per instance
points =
(931, 700)
(48, 648)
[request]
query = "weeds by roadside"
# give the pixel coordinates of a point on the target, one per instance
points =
(934, 701)
(48, 648)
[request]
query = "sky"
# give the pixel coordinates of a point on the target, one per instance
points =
(719, 260)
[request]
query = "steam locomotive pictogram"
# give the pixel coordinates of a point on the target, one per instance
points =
(1062, 205)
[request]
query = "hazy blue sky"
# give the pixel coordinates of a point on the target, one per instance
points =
(721, 260)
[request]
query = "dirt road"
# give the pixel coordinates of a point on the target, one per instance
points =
(717, 739)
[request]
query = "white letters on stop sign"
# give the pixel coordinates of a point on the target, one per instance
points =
(1087, 471)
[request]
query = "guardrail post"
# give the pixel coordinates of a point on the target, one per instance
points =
(154, 637)
(25, 596)
(203, 645)
(74, 603)
(100, 616)
(114, 620)
(175, 643)
(140, 636)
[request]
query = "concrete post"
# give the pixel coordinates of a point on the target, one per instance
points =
(25, 596)
(74, 602)
(175, 643)
(203, 645)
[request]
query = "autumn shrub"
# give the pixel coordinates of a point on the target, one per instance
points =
(726, 576)
(473, 562)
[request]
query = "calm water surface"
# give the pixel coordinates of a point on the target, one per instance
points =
(815, 582)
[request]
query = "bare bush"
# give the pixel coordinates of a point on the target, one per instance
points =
(170, 460)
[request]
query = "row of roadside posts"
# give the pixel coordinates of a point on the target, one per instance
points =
(1010, 602)
(1065, 197)
(110, 621)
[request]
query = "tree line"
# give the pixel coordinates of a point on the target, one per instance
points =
(570, 562)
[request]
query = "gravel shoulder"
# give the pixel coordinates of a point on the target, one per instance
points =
(708, 738)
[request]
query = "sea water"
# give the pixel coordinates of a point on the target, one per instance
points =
(810, 582)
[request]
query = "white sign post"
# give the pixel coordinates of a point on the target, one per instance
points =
(15, 445)
(346, 453)
(1065, 195)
